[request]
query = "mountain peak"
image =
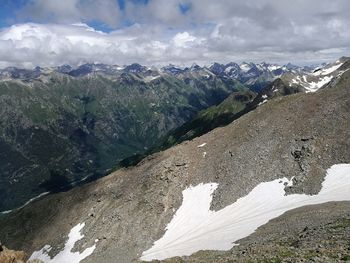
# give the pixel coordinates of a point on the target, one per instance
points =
(135, 68)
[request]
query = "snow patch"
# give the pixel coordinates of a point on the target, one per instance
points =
(245, 67)
(151, 78)
(273, 67)
(26, 203)
(228, 69)
(297, 80)
(6, 212)
(35, 198)
(314, 86)
(66, 255)
(264, 101)
(195, 227)
(290, 182)
(328, 70)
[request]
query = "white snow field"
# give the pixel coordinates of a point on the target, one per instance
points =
(323, 77)
(195, 227)
(327, 70)
(315, 86)
(66, 255)
(312, 86)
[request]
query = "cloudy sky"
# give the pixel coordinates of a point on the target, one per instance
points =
(158, 32)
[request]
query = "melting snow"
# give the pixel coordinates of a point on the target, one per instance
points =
(195, 227)
(297, 80)
(314, 86)
(228, 69)
(66, 255)
(245, 67)
(35, 198)
(290, 182)
(202, 145)
(262, 102)
(26, 203)
(328, 70)
(151, 78)
(6, 212)
(273, 67)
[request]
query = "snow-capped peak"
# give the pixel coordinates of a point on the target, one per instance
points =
(330, 68)
(245, 67)
(320, 77)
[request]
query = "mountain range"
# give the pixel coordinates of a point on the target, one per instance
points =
(61, 126)
(244, 72)
(248, 175)
(197, 142)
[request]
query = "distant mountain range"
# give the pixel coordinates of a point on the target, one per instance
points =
(253, 75)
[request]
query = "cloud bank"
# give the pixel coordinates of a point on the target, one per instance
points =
(159, 32)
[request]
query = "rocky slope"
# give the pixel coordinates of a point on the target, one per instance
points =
(297, 136)
(233, 107)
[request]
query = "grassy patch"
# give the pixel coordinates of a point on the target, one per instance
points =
(345, 258)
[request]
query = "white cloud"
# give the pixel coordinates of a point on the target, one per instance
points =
(276, 31)
(29, 45)
(52, 44)
(183, 39)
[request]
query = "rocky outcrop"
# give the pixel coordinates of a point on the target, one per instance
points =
(12, 256)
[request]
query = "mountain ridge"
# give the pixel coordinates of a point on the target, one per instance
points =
(58, 129)
(86, 105)
(307, 134)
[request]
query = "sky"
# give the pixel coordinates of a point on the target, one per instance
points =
(182, 32)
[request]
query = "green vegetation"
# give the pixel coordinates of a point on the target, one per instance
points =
(234, 106)
(84, 126)
(345, 258)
